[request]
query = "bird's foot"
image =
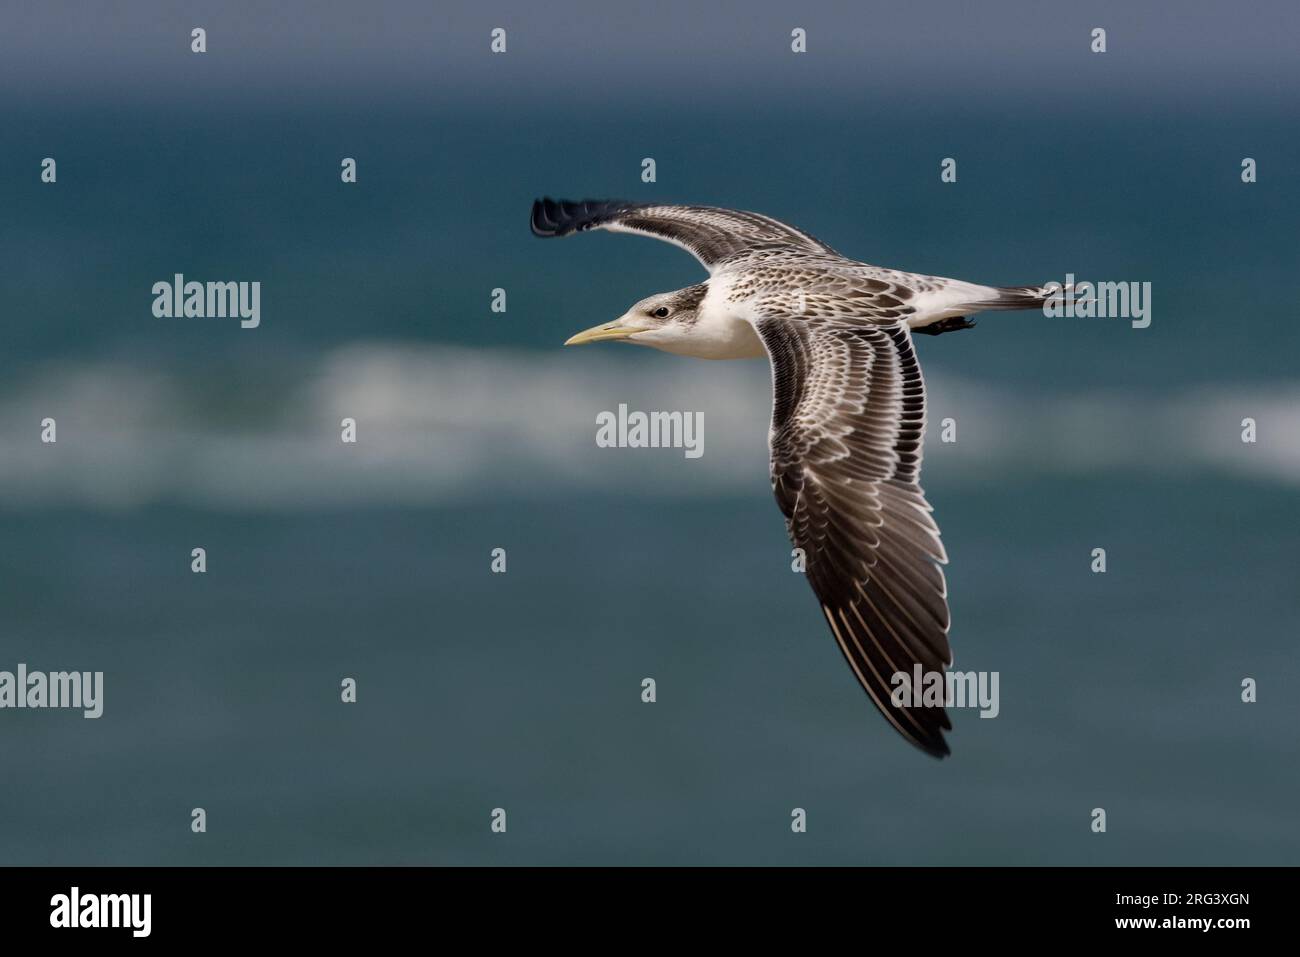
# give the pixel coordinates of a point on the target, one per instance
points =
(946, 325)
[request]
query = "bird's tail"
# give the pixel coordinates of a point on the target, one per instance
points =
(1019, 297)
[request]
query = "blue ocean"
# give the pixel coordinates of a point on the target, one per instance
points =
(522, 690)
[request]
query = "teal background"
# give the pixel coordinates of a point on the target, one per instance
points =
(522, 691)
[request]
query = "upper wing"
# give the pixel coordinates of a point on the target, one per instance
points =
(848, 417)
(714, 236)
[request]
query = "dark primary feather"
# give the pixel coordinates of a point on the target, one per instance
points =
(848, 417)
(560, 217)
(715, 236)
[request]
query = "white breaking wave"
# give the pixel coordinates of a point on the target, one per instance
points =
(439, 425)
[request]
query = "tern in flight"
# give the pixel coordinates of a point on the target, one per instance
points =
(848, 414)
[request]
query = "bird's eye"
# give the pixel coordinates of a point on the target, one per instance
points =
(660, 313)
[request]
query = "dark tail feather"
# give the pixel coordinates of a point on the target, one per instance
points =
(1020, 297)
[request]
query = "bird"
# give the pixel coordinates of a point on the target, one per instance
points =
(847, 421)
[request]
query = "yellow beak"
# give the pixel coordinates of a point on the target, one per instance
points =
(605, 331)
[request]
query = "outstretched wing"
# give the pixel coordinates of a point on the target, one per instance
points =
(714, 236)
(848, 418)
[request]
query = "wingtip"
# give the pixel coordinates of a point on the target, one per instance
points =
(539, 222)
(560, 217)
(932, 741)
(936, 747)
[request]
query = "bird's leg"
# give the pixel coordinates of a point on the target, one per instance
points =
(947, 325)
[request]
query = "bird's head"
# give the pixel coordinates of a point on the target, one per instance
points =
(661, 320)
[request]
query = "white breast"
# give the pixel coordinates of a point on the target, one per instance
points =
(720, 330)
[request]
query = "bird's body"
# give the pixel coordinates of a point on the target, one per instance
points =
(848, 413)
(743, 293)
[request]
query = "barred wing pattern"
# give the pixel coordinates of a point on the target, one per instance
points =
(848, 419)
